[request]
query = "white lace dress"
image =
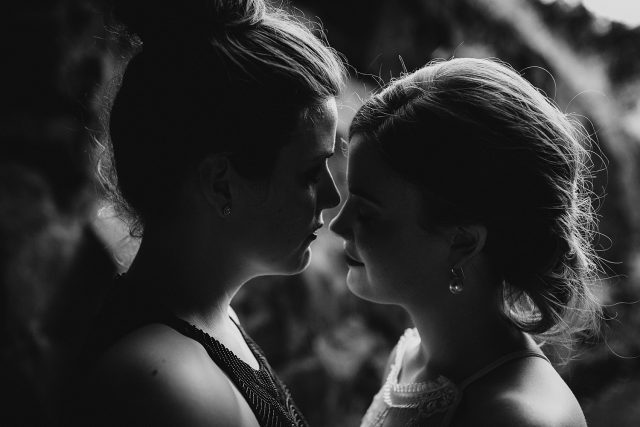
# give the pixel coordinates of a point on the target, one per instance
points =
(409, 404)
(431, 403)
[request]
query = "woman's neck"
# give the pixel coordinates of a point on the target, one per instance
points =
(187, 274)
(458, 343)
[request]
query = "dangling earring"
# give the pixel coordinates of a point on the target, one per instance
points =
(226, 211)
(456, 285)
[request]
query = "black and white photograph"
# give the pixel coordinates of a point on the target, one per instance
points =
(307, 213)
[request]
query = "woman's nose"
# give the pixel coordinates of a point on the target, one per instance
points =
(329, 196)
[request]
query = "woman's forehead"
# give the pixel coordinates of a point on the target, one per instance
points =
(369, 173)
(314, 138)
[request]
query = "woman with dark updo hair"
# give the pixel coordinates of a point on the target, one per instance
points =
(219, 134)
(469, 207)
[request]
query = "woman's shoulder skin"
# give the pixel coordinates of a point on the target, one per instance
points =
(526, 393)
(156, 376)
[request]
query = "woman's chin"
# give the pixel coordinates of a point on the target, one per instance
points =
(287, 265)
(357, 283)
(305, 260)
(297, 263)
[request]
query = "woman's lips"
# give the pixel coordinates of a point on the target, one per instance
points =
(352, 262)
(314, 235)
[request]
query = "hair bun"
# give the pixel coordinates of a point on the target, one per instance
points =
(176, 20)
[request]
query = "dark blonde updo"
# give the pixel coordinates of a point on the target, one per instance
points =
(487, 147)
(213, 76)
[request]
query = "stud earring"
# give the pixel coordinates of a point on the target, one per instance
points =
(456, 285)
(226, 211)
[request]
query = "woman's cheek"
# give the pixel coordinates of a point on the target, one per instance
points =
(302, 205)
(372, 245)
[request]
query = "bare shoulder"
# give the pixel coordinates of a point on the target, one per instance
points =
(527, 392)
(156, 376)
(526, 410)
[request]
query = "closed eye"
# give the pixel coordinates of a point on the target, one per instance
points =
(313, 175)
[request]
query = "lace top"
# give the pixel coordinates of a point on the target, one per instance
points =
(411, 404)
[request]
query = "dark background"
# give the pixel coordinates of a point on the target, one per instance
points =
(60, 244)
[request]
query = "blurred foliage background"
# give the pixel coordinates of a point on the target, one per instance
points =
(60, 246)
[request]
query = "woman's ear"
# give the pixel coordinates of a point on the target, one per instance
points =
(466, 242)
(214, 174)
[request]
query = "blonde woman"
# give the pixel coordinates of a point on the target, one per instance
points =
(468, 208)
(220, 135)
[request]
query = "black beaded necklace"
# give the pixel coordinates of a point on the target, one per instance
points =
(267, 396)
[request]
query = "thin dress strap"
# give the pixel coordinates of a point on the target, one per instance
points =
(484, 371)
(499, 362)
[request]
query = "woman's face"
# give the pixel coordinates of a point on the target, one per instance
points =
(281, 222)
(391, 257)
